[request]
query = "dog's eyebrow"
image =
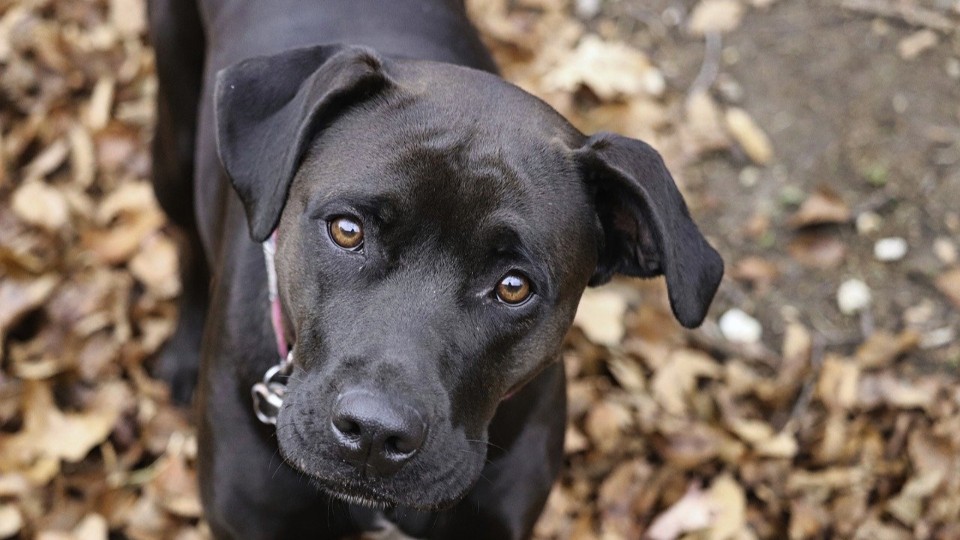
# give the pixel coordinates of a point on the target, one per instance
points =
(506, 243)
(382, 207)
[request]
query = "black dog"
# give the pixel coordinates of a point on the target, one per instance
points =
(436, 227)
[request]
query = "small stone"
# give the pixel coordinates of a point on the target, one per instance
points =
(791, 195)
(718, 16)
(911, 46)
(890, 249)
(900, 103)
(945, 250)
(653, 82)
(853, 296)
(920, 314)
(868, 223)
(749, 176)
(737, 326)
(953, 68)
(730, 90)
(935, 339)
(587, 9)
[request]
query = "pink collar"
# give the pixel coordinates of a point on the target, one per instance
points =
(268, 393)
(273, 294)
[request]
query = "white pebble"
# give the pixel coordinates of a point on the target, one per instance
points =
(853, 296)
(737, 326)
(868, 222)
(944, 249)
(653, 82)
(587, 9)
(937, 338)
(749, 176)
(890, 249)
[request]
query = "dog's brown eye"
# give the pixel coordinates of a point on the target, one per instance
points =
(514, 288)
(346, 232)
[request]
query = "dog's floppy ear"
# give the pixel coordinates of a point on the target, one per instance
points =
(647, 230)
(267, 109)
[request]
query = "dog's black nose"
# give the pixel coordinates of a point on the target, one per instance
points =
(374, 435)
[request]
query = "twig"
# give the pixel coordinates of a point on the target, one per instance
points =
(710, 65)
(910, 14)
(817, 351)
(709, 337)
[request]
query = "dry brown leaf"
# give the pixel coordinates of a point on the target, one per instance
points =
(628, 373)
(574, 441)
(38, 204)
(615, 499)
(690, 445)
(120, 242)
(908, 505)
(49, 160)
(11, 520)
(715, 16)
(20, 296)
(797, 348)
(824, 206)
(749, 136)
(703, 130)
(82, 158)
(836, 436)
(882, 348)
(91, 527)
(157, 268)
(730, 502)
(838, 382)
(176, 487)
(600, 316)
(886, 389)
(101, 102)
(807, 520)
(949, 284)
(610, 70)
(759, 272)
(605, 424)
(817, 250)
(782, 445)
(129, 17)
(693, 512)
(48, 432)
(673, 382)
(874, 529)
(833, 478)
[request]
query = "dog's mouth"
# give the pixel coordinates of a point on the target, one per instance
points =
(356, 495)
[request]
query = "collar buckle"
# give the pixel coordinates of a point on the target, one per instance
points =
(268, 393)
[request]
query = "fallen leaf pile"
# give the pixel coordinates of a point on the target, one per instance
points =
(672, 434)
(88, 279)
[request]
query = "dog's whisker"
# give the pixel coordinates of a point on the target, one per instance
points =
(488, 443)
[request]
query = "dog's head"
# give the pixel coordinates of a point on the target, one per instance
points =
(437, 227)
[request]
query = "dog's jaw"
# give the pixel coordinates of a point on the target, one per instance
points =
(431, 482)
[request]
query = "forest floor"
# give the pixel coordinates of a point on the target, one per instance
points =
(817, 143)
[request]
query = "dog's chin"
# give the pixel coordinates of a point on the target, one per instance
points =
(347, 486)
(360, 494)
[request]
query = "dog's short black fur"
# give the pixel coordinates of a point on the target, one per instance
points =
(419, 395)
